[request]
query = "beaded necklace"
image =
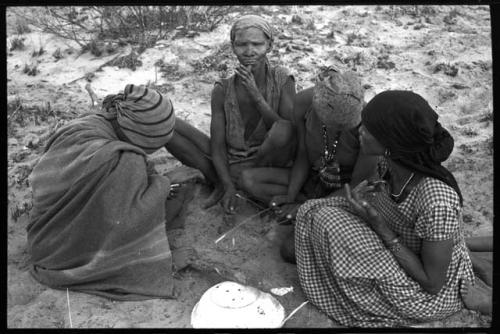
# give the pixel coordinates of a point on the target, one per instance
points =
(329, 173)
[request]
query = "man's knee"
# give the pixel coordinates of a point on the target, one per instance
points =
(247, 180)
(281, 133)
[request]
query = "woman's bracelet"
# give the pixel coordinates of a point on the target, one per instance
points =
(393, 245)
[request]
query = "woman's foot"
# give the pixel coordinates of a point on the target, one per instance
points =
(287, 249)
(183, 257)
(175, 206)
(214, 197)
(477, 297)
(482, 263)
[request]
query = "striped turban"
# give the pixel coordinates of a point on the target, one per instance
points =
(252, 21)
(141, 116)
(338, 98)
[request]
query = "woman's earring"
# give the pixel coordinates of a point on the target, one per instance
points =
(383, 163)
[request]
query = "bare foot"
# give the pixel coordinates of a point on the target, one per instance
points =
(183, 257)
(287, 249)
(477, 297)
(175, 206)
(482, 265)
(214, 197)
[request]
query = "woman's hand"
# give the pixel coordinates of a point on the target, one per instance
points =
(229, 200)
(284, 207)
(174, 189)
(248, 81)
(357, 197)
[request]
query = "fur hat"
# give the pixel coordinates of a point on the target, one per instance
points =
(338, 98)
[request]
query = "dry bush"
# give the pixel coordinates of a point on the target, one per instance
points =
(143, 25)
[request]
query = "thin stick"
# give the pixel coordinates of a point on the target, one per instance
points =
(243, 221)
(250, 201)
(15, 111)
(293, 312)
(69, 309)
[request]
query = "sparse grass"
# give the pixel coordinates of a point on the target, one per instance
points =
(131, 61)
(96, 48)
(384, 62)
(20, 210)
(469, 132)
(17, 43)
(21, 26)
(57, 54)
(37, 53)
(170, 71)
(446, 68)
(351, 37)
(217, 61)
(31, 69)
(451, 17)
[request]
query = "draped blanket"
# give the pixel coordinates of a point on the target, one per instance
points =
(98, 218)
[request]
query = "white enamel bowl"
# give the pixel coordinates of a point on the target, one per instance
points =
(232, 305)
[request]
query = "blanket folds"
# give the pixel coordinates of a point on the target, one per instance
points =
(98, 218)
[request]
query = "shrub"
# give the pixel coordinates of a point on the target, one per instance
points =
(142, 25)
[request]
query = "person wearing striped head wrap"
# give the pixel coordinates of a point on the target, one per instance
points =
(141, 116)
(251, 126)
(99, 214)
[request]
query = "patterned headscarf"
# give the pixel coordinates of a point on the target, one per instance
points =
(338, 98)
(144, 117)
(406, 124)
(252, 21)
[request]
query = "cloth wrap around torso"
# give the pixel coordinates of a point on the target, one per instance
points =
(98, 218)
(238, 148)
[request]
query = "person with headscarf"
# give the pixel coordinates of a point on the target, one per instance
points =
(251, 123)
(99, 217)
(327, 117)
(391, 252)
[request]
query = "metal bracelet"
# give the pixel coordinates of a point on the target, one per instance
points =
(394, 245)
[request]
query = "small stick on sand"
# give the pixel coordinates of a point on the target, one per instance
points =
(250, 201)
(69, 309)
(243, 221)
(293, 312)
(93, 95)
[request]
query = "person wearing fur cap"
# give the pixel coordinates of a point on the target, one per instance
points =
(392, 251)
(327, 117)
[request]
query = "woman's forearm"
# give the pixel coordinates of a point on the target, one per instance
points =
(410, 262)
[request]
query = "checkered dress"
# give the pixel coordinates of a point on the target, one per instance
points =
(347, 272)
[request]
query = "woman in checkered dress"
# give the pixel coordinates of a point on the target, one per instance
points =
(392, 251)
